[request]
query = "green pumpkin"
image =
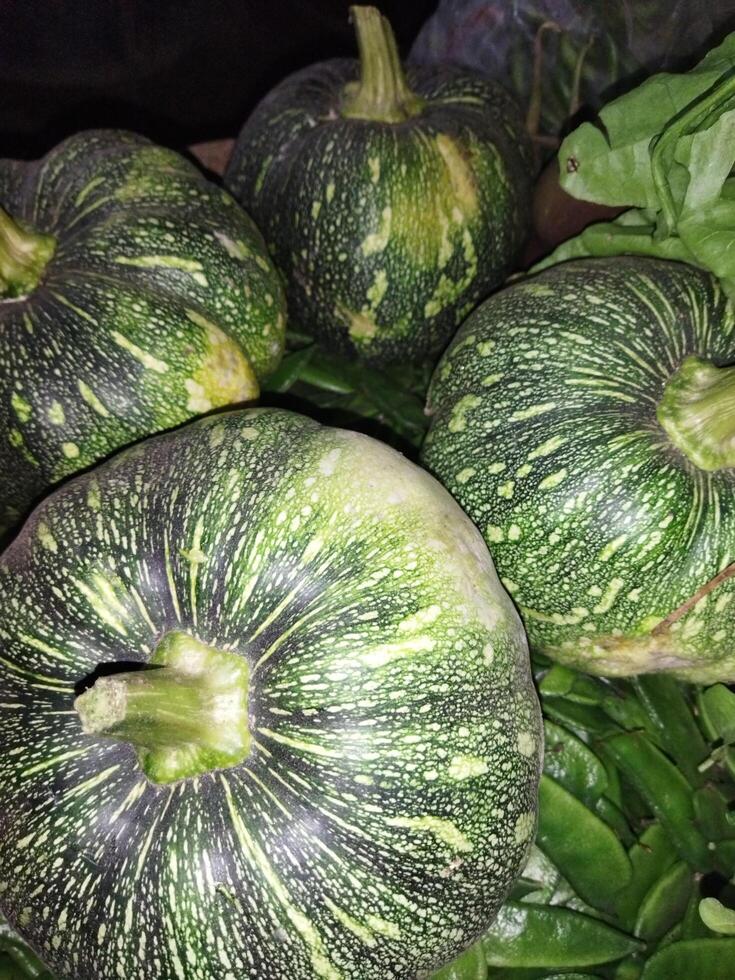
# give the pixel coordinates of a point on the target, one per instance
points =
(391, 204)
(329, 768)
(585, 420)
(134, 294)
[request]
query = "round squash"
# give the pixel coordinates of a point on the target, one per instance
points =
(134, 294)
(585, 420)
(265, 711)
(391, 202)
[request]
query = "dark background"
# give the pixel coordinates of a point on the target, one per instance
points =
(179, 71)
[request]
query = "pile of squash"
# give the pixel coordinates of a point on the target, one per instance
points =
(267, 709)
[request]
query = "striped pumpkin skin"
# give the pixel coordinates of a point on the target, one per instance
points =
(545, 430)
(389, 798)
(159, 303)
(387, 234)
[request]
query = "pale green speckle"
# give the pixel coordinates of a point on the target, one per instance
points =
(458, 421)
(467, 767)
(532, 411)
(506, 489)
(21, 407)
(46, 538)
(524, 827)
(378, 289)
(548, 447)
(377, 241)
(148, 361)
(526, 744)
(464, 475)
(444, 830)
(609, 596)
(92, 400)
(56, 414)
(553, 480)
(70, 450)
(363, 934)
(612, 546)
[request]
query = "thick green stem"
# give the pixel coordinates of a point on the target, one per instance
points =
(24, 255)
(382, 94)
(697, 410)
(185, 715)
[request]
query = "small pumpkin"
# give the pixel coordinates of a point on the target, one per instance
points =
(585, 420)
(392, 201)
(308, 743)
(134, 294)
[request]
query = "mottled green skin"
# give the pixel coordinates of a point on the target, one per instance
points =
(111, 198)
(389, 799)
(544, 429)
(387, 234)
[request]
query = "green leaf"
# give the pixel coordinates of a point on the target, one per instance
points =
(612, 165)
(717, 711)
(573, 765)
(580, 718)
(717, 917)
(665, 151)
(592, 858)
(712, 814)
(564, 682)
(668, 711)
(614, 817)
(693, 959)
(666, 791)
(290, 370)
(532, 935)
(651, 856)
(665, 903)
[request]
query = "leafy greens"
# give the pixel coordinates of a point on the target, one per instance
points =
(666, 150)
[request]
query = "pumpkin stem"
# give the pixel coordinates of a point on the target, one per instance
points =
(23, 257)
(186, 714)
(697, 410)
(382, 94)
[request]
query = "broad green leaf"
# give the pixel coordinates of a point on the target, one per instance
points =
(573, 765)
(612, 165)
(615, 819)
(693, 959)
(706, 157)
(665, 151)
(717, 917)
(532, 935)
(562, 681)
(651, 856)
(665, 903)
(290, 370)
(711, 809)
(666, 791)
(591, 858)
(717, 710)
(668, 710)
